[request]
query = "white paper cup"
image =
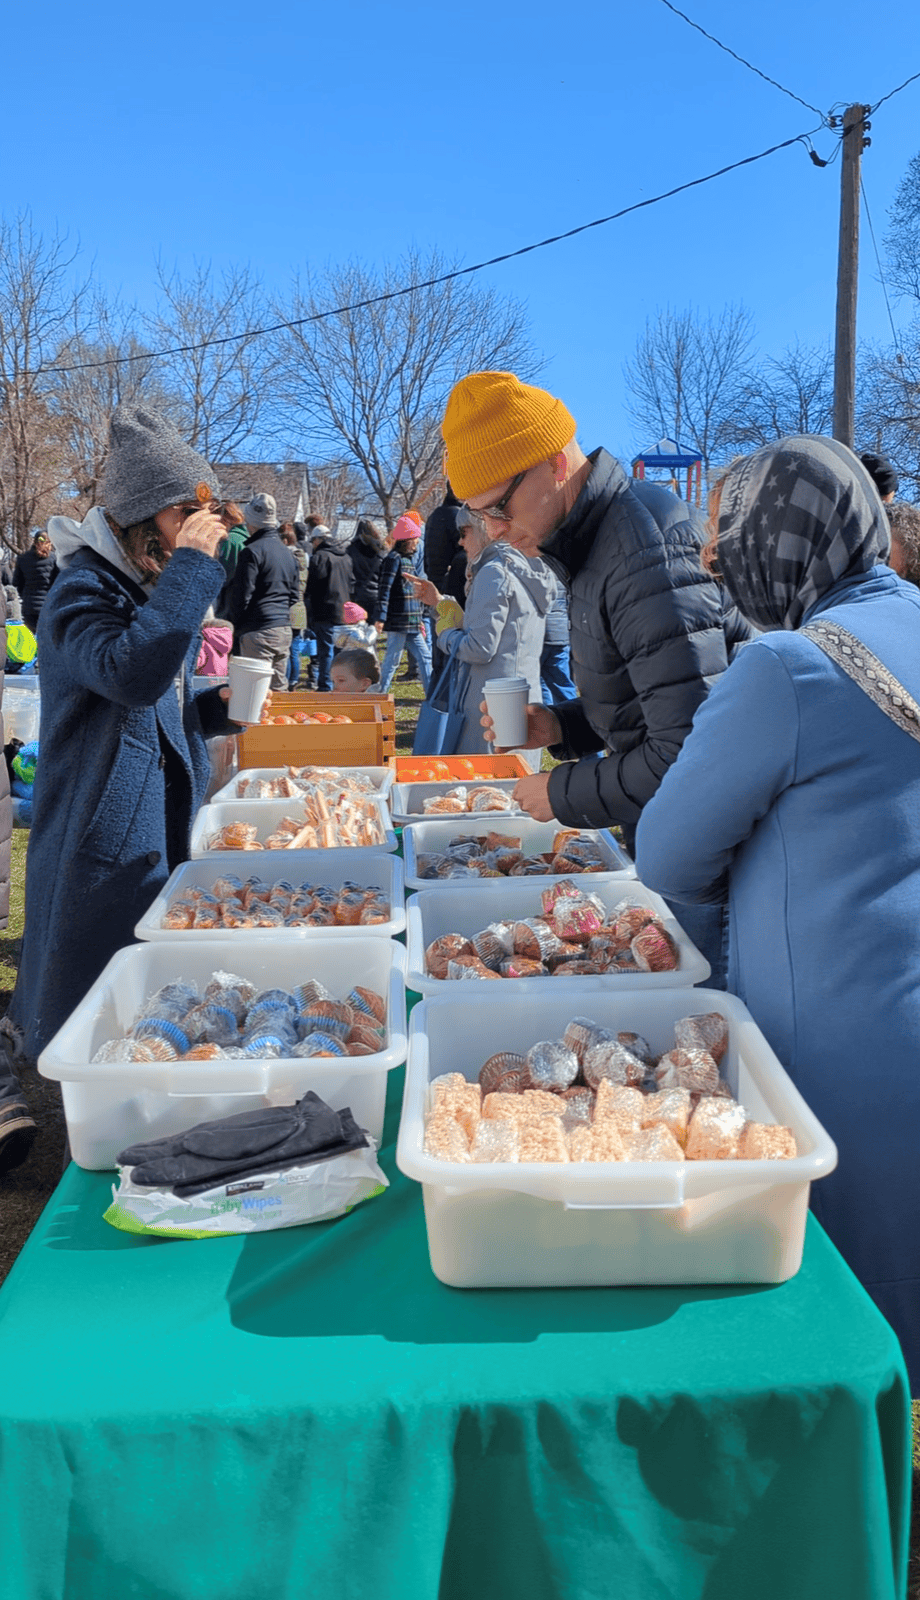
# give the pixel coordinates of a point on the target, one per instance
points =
(506, 702)
(249, 683)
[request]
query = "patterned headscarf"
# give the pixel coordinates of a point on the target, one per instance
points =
(794, 518)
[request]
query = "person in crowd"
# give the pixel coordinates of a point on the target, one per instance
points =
(6, 571)
(800, 780)
(298, 609)
(33, 575)
(398, 611)
(882, 473)
(355, 629)
(555, 682)
(258, 602)
(499, 633)
(444, 556)
(366, 551)
(355, 671)
(315, 526)
(17, 1125)
(905, 540)
(124, 764)
(649, 630)
(329, 583)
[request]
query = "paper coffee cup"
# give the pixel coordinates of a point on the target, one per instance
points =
(506, 702)
(249, 683)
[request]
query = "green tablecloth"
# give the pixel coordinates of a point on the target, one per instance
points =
(311, 1413)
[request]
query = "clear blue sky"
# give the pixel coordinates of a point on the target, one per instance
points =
(285, 135)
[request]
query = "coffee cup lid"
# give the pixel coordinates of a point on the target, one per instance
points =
(505, 685)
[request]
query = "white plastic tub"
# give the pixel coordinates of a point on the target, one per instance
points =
(423, 838)
(265, 815)
(109, 1105)
(381, 778)
(467, 908)
(328, 867)
(407, 800)
(527, 1226)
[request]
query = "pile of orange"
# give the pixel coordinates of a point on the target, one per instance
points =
(302, 717)
(436, 771)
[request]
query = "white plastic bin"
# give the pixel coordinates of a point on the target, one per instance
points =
(22, 704)
(265, 815)
(381, 778)
(422, 838)
(109, 1105)
(407, 800)
(580, 1223)
(467, 908)
(328, 867)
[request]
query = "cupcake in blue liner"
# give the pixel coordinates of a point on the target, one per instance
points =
(319, 1044)
(162, 1028)
(306, 994)
(211, 1024)
(171, 1002)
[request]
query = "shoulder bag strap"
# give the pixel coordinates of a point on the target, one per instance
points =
(859, 663)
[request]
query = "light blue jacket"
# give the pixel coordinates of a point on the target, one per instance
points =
(794, 781)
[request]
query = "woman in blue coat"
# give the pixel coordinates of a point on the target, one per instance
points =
(123, 765)
(795, 781)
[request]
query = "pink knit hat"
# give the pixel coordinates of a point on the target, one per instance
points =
(353, 613)
(406, 528)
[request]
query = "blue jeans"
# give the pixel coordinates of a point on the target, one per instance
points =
(418, 648)
(555, 678)
(324, 634)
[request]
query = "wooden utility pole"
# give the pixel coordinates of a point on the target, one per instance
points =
(854, 127)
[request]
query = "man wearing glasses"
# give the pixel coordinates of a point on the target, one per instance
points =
(649, 628)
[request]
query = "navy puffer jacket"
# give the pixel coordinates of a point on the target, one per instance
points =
(650, 633)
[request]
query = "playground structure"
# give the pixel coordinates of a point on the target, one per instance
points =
(669, 458)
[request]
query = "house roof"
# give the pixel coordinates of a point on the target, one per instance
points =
(240, 480)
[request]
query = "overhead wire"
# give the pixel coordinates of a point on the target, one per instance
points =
(892, 92)
(429, 283)
(744, 62)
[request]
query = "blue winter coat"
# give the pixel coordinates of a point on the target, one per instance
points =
(794, 780)
(123, 770)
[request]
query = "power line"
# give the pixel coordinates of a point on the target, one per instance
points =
(878, 260)
(744, 63)
(893, 92)
(430, 283)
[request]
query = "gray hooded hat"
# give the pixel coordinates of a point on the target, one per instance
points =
(794, 518)
(151, 467)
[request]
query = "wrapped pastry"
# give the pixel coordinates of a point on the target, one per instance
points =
(656, 1143)
(495, 1141)
(581, 1033)
(610, 1060)
(671, 1108)
(715, 1131)
(542, 1140)
(445, 1139)
(488, 798)
(492, 1071)
(688, 1069)
(534, 938)
(616, 1103)
(765, 1141)
(551, 1065)
(445, 949)
(707, 1032)
(522, 967)
(466, 967)
(493, 943)
(655, 950)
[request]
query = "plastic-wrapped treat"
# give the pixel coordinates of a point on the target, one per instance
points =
(124, 1050)
(177, 916)
(524, 1106)
(375, 911)
(280, 997)
(446, 949)
(671, 1107)
(366, 1032)
(228, 885)
(581, 1033)
(542, 1103)
(706, 1032)
(579, 920)
(531, 867)
(319, 1043)
(492, 1071)
(369, 1001)
(640, 1047)
(522, 967)
(465, 967)
(542, 1140)
(655, 950)
(487, 798)
(336, 1016)
(715, 1131)
(558, 891)
(579, 1105)
(563, 953)
(162, 1028)
(171, 1002)
(494, 943)
(496, 1141)
(579, 1140)
(445, 1139)
(534, 939)
(611, 1060)
(766, 1141)
(204, 1052)
(619, 1104)
(349, 909)
(226, 989)
(439, 1089)
(551, 1065)
(306, 994)
(211, 1024)
(579, 969)
(607, 1142)
(628, 920)
(653, 1144)
(513, 1082)
(688, 1069)
(605, 946)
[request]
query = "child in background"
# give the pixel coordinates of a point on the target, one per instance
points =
(355, 672)
(355, 629)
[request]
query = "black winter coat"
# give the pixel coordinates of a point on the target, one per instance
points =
(650, 632)
(33, 576)
(329, 582)
(366, 553)
(445, 559)
(265, 585)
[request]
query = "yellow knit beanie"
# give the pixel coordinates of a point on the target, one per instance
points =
(495, 427)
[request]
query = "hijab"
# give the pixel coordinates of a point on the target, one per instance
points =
(794, 518)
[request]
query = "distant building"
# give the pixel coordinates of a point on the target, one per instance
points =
(287, 481)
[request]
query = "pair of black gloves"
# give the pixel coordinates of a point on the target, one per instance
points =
(235, 1148)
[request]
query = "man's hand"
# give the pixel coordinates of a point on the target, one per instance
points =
(543, 727)
(532, 795)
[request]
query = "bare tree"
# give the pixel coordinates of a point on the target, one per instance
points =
(889, 409)
(219, 387)
(902, 242)
(370, 380)
(784, 395)
(336, 489)
(685, 374)
(42, 316)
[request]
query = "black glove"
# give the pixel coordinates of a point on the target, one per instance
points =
(264, 1140)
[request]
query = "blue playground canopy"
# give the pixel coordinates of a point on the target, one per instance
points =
(666, 456)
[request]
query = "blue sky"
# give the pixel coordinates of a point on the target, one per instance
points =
(288, 135)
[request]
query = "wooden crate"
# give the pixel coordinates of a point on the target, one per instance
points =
(409, 769)
(368, 740)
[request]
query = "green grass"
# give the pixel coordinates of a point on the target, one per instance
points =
(11, 939)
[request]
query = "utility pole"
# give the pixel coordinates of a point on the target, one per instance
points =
(854, 142)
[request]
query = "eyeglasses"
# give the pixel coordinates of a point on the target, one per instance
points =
(498, 512)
